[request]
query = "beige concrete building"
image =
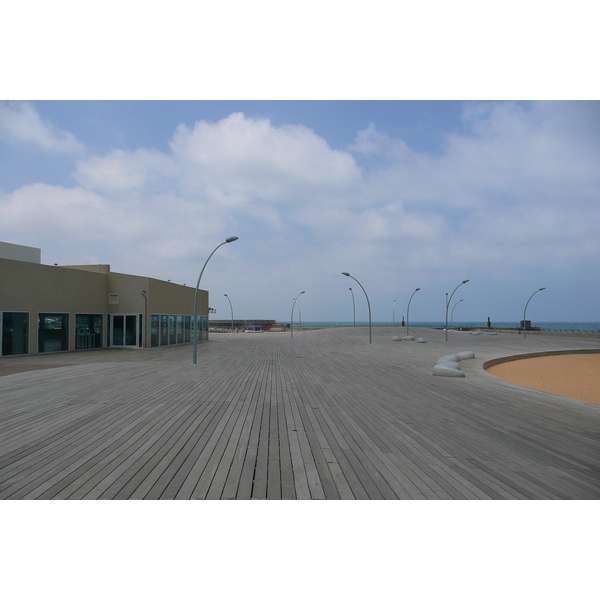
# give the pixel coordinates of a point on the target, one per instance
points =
(47, 308)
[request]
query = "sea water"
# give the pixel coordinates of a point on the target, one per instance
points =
(566, 326)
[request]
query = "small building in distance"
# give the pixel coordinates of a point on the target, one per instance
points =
(224, 325)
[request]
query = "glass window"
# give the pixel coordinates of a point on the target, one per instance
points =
(15, 333)
(164, 330)
(130, 330)
(154, 331)
(180, 329)
(118, 330)
(53, 332)
(187, 334)
(172, 332)
(88, 331)
(202, 328)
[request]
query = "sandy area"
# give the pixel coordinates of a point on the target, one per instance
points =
(572, 375)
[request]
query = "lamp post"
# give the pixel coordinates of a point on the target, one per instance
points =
(525, 310)
(452, 313)
(448, 300)
(408, 309)
(368, 303)
(195, 326)
(231, 307)
(353, 306)
(292, 317)
(394, 313)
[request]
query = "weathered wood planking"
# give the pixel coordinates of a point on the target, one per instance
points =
(324, 415)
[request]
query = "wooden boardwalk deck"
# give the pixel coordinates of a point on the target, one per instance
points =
(324, 415)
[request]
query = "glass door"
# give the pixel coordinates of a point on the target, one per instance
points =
(124, 331)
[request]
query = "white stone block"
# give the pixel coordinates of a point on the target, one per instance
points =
(443, 371)
(450, 357)
(450, 364)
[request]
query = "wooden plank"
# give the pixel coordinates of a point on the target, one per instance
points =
(323, 416)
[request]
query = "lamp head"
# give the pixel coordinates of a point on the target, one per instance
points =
(232, 238)
(417, 289)
(541, 289)
(224, 294)
(303, 292)
(466, 281)
(346, 274)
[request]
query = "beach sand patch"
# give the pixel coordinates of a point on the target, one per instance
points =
(573, 375)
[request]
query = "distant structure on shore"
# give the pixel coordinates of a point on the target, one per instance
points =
(225, 325)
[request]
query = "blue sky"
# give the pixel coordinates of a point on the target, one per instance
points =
(328, 140)
(402, 194)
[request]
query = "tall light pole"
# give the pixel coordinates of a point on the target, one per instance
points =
(394, 313)
(452, 313)
(195, 325)
(408, 309)
(368, 303)
(292, 317)
(353, 306)
(231, 307)
(525, 310)
(448, 304)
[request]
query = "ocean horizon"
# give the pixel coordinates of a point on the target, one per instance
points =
(566, 326)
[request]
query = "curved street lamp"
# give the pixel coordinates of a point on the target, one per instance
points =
(195, 326)
(525, 310)
(448, 304)
(353, 306)
(408, 309)
(292, 317)
(368, 303)
(452, 313)
(231, 307)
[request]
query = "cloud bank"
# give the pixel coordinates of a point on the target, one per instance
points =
(20, 123)
(510, 198)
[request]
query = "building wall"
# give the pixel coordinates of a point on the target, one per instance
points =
(27, 287)
(174, 298)
(18, 252)
(128, 290)
(34, 288)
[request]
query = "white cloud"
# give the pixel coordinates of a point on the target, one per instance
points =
(122, 171)
(240, 155)
(515, 192)
(509, 154)
(21, 123)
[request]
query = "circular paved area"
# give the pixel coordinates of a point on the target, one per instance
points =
(572, 375)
